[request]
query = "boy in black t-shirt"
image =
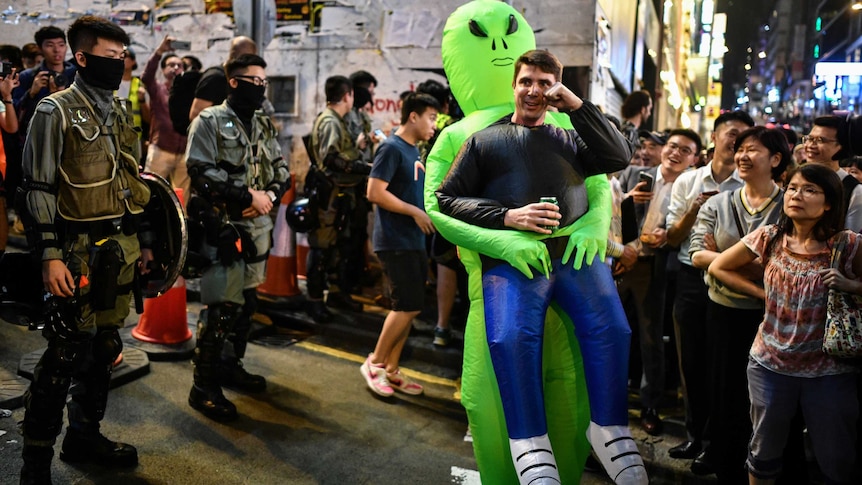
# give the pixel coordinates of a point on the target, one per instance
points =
(396, 186)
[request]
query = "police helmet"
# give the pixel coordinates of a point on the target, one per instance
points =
(300, 216)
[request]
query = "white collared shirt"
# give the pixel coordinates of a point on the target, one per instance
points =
(688, 186)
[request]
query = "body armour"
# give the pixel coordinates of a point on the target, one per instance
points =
(334, 151)
(98, 169)
(250, 159)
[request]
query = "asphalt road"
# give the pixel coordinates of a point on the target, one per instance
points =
(316, 424)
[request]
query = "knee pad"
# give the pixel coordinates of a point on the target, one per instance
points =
(221, 316)
(107, 345)
(64, 357)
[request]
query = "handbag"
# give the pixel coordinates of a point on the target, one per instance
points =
(843, 334)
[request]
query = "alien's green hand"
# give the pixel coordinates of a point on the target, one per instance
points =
(520, 249)
(589, 234)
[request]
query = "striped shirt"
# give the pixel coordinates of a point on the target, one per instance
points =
(790, 337)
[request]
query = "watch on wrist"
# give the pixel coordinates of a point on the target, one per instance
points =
(271, 195)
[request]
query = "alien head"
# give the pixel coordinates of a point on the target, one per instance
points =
(481, 42)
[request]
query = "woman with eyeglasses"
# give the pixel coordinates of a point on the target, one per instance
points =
(786, 368)
(761, 156)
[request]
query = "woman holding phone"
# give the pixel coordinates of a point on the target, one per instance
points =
(786, 368)
(761, 155)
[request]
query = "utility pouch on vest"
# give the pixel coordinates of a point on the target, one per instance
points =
(229, 247)
(249, 250)
(105, 261)
(318, 188)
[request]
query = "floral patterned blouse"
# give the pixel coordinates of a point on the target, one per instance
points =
(790, 336)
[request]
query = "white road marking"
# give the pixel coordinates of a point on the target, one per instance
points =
(463, 476)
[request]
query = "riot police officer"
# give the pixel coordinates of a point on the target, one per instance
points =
(339, 175)
(81, 203)
(237, 173)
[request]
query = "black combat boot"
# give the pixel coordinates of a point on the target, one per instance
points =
(206, 395)
(318, 312)
(37, 465)
(234, 376)
(212, 403)
(90, 446)
(343, 301)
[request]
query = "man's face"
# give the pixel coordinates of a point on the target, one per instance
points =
(253, 75)
(821, 144)
(425, 123)
(678, 154)
(173, 67)
(724, 137)
(54, 51)
(646, 111)
(650, 153)
(103, 48)
(530, 103)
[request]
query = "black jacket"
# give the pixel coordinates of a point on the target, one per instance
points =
(508, 166)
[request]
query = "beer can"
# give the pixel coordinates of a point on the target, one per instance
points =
(551, 200)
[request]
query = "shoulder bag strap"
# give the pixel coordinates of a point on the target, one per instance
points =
(837, 249)
(736, 212)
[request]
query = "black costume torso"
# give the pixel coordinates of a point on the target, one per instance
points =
(507, 165)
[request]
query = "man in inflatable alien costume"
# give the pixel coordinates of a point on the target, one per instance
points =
(481, 41)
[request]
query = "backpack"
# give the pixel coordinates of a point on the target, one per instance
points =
(180, 100)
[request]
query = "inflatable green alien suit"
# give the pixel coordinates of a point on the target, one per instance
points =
(481, 42)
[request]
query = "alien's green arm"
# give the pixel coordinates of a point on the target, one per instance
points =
(520, 249)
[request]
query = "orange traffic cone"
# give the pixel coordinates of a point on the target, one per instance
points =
(164, 319)
(280, 286)
(301, 255)
(163, 330)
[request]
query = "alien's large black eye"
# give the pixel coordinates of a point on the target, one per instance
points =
(513, 25)
(476, 30)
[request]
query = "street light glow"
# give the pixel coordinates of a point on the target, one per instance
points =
(857, 6)
(761, 55)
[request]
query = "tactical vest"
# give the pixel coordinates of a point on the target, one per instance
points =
(345, 149)
(98, 171)
(245, 157)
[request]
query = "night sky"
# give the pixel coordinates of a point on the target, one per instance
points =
(744, 17)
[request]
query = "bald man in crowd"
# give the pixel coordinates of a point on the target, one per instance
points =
(212, 89)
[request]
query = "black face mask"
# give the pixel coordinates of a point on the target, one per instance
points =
(245, 98)
(102, 72)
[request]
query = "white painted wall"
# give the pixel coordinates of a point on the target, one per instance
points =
(356, 34)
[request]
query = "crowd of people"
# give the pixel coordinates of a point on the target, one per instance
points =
(732, 338)
(723, 251)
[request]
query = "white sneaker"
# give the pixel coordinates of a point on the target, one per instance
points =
(618, 453)
(375, 377)
(534, 461)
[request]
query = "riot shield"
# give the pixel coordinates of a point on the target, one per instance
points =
(166, 218)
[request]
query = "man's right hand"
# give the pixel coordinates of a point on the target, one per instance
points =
(626, 261)
(424, 222)
(57, 278)
(532, 217)
(260, 202)
(639, 195)
(40, 81)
